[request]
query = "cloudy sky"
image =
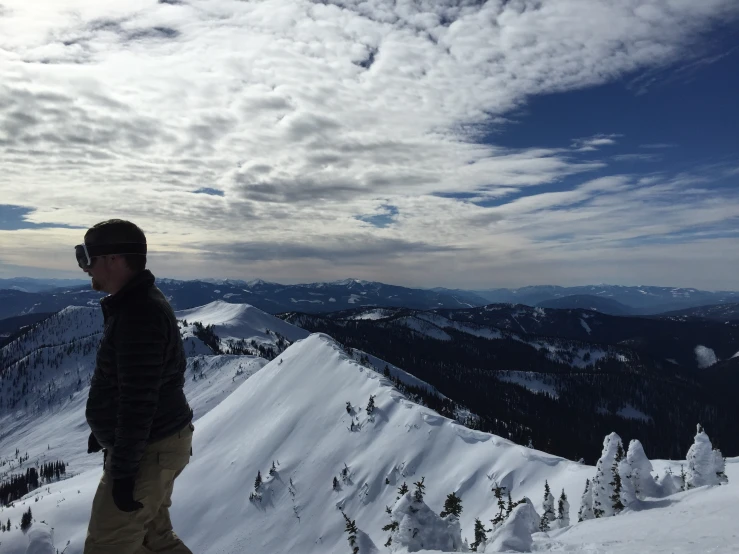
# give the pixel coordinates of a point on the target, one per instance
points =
(455, 143)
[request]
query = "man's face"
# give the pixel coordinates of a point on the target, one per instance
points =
(104, 271)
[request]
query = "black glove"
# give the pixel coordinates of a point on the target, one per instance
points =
(93, 445)
(123, 495)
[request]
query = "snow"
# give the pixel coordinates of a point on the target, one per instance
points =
(40, 540)
(309, 301)
(515, 534)
(585, 326)
(420, 528)
(735, 356)
(481, 331)
(629, 412)
(292, 411)
(354, 298)
(424, 327)
(706, 356)
(241, 321)
(373, 315)
(535, 382)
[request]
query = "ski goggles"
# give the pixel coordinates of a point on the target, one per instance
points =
(86, 252)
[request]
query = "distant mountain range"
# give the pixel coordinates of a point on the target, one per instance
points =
(25, 296)
(270, 297)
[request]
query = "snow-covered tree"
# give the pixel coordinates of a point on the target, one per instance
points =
(547, 517)
(563, 510)
(515, 533)
(419, 528)
(480, 537)
(603, 482)
(719, 464)
(616, 503)
(586, 503)
(639, 473)
(371, 405)
(703, 462)
(669, 483)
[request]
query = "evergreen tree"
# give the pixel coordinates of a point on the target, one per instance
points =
(586, 503)
(563, 510)
(620, 454)
(480, 535)
(420, 489)
(617, 504)
(509, 505)
(349, 408)
(452, 506)
(258, 481)
(336, 484)
(547, 516)
(402, 490)
(499, 517)
(273, 469)
(26, 520)
(351, 529)
(371, 404)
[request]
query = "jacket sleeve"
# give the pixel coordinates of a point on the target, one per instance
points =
(140, 343)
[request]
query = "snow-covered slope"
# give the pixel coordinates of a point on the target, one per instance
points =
(292, 412)
(45, 379)
(241, 321)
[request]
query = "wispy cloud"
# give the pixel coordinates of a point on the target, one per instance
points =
(594, 142)
(304, 114)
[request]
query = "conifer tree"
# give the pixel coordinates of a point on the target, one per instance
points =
(586, 503)
(258, 481)
(548, 515)
(420, 489)
(26, 520)
(390, 527)
(371, 404)
(509, 505)
(452, 506)
(499, 517)
(273, 469)
(351, 529)
(618, 505)
(402, 490)
(336, 484)
(480, 535)
(563, 510)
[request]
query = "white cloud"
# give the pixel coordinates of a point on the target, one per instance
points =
(306, 115)
(592, 143)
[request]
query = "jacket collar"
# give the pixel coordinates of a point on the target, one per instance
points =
(143, 280)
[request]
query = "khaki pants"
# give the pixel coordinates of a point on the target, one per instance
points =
(149, 529)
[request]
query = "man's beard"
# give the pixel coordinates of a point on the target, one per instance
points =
(96, 284)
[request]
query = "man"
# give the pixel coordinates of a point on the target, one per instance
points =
(137, 409)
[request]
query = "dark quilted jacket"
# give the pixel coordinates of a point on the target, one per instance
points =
(136, 394)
